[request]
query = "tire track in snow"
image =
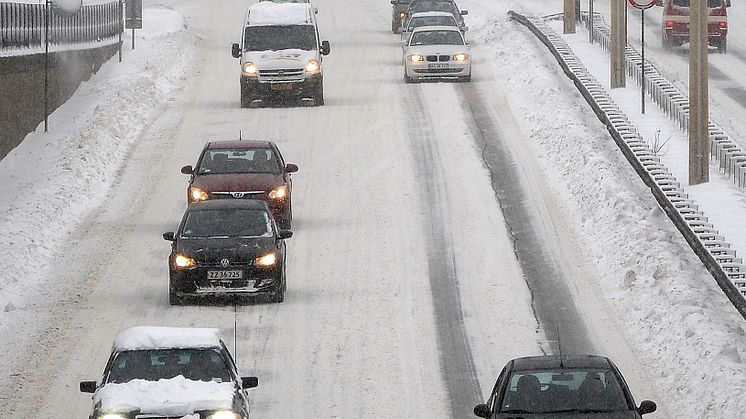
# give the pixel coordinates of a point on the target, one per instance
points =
(457, 365)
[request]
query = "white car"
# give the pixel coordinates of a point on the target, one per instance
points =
(426, 19)
(436, 52)
(159, 372)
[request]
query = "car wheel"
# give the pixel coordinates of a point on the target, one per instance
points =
(318, 97)
(723, 46)
(407, 79)
(466, 78)
(174, 299)
(245, 97)
(278, 295)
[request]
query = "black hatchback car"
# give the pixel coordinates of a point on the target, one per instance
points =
(566, 386)
(227, 248)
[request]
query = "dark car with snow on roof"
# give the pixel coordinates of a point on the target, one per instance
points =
(170, 372)
(244, 170)
(562, 387)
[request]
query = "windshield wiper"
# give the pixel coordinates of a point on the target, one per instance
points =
(582, 411)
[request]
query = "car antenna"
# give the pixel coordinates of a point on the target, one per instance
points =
(239, 135)
(559, 343)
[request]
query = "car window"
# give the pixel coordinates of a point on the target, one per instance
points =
(416, 22)
(199, 364)
(553, 391)
(226, 223)
(433, 6)
(436, 38)
(710, 3)
(223, 161)
(279, 37)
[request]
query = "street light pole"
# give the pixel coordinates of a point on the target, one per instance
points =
(46, 65)
(699, 132)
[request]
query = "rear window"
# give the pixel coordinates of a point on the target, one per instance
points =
(416, 22)
(710, 3)
(433, 6)
(280, 37)
(223, 161)
(437, 38)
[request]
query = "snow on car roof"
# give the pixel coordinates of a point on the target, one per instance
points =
(436, 28)
(431, 13)
(150, 337)
(172, 397)
(270, 13)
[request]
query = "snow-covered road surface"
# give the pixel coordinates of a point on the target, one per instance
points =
(396, 226)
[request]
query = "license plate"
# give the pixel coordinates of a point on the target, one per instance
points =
(281, 86)
(437, 66)
(235, 274)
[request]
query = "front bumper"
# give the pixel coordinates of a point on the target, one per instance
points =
(426, 70)
(254, 88)
(193, 282)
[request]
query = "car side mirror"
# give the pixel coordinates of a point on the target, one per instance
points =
(315, 10)
(393, 1)
(249, 382)
(187, 170)
(464, 12)
(291, 168)
(87, 386)
(646, 407)
(482, 410)
(659, 3)
(236, 50)
(170, 236)
(727, 3)
(284, 234)
(325, 48)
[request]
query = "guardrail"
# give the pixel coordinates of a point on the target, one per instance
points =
(23, 25)
(708, 244)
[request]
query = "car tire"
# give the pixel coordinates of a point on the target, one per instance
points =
(278, 296)
(466, 78)
(174, 299)
(722, 46)
(245, 97)
(408, 79)
(318, 97)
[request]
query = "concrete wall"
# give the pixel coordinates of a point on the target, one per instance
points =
(22, 88)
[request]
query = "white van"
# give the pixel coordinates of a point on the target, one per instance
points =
(281, 54)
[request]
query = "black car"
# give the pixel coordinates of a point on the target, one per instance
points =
(227, 248)
(169, 372)
(562, 386)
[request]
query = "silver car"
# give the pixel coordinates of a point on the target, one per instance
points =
(436, 52)
(427, 19)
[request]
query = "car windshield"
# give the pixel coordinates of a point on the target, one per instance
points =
(199, 364)
(418, 21)
(279, 37)
(223, 161)
(436, 38)
(563, 390)
(433, 6)
(226, 223)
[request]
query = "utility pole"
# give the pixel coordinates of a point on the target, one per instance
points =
(699, 133)
(618, 43)
(568, 16)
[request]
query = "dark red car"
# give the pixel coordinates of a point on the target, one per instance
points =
(244, 170)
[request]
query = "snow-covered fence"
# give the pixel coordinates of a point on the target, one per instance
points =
(674, 103)
(23, 26)
(708, 244)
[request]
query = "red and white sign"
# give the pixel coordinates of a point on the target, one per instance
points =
(642, 4)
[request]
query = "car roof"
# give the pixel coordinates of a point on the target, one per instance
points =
(152, 337)
(567, 361)
(212, 204)
(431, 13)
(266, 13)
(436, 28)
(240, 144)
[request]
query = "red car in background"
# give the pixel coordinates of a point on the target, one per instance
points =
(244, 170)
(675, 30)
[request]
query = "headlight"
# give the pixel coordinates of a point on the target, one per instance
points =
(461, 56)
(402, 14)
(416, 58)
(279, 194)
(266, 260)
(249, 69)
(313, 67)
(183, 261)
(197, 194)
(224, 414)
(112, 416)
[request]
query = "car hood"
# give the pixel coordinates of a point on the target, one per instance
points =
(176, 396)
(437, 49)
(213, 250)
(238, 182)
(275, 60)
(608, 415)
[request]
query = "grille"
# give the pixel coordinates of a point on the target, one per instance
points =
(282, 73)
(216, 264)
(438, 70)
(238, 194)
(436, 58)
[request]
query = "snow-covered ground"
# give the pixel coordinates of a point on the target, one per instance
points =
(85, 205)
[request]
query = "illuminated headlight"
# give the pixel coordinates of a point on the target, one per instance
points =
(250, 69)
(416, 58)
(224, 414)
(402, 14)
(461, 56)
(266, 260)
(279, 194)
(183, 261)
(313, 67)
(197, 194)
(112, 416)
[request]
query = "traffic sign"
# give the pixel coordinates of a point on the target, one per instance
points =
(642, 4)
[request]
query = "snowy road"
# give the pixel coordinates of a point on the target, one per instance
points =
(433, 241)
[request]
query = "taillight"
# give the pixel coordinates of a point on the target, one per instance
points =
(723, 25)
(669, 23)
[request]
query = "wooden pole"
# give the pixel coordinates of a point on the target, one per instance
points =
(699, 135)
(618, 43)
(568, 16)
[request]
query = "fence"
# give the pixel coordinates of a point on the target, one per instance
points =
(23, 25)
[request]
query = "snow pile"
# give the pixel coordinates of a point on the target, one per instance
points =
(151, 337)
(176, 396)
(55, 178)
(690, 336)
(269, 13)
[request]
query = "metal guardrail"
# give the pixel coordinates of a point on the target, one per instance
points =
(729, 154)
(708, 244)
(22, 25)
